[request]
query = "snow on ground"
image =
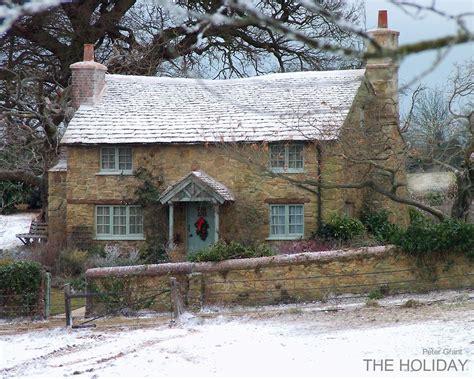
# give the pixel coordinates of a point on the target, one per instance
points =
(14, 224)
(423, 183)
(283, 341)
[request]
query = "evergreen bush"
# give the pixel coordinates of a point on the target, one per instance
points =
(378, 225)
(341, 228)
(222, 250)
(20, 284)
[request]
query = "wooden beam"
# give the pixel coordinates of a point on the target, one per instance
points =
(171, 224)
(216, 222)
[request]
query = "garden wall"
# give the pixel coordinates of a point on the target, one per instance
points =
(285, 278)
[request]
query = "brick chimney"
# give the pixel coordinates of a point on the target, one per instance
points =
(88, 79)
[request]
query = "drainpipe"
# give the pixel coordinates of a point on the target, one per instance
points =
(319, 204)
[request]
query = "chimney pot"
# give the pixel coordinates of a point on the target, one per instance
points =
(383, 19)
(88, 52)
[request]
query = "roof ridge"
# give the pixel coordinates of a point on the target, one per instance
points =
(273, 75)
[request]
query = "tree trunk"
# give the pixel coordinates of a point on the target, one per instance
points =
(463, 199)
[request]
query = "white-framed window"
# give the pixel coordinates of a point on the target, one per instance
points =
(287, 157)
(118, 222)
(286, 221)
(114, 159)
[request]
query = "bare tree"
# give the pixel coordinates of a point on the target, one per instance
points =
(432, 131)
(461, 106)
(144, 38)
(218, 39)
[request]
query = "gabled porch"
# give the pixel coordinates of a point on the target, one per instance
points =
(202, 197)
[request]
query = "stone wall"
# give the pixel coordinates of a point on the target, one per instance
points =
(57, 210)
(286, 278)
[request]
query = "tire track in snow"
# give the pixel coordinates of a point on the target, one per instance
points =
(46, 359)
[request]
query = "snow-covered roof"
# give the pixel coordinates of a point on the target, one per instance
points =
(275, 107)
(196, 186)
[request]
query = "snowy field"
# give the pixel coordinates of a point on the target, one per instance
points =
(269, 341)
(11, 225)
(422, 183)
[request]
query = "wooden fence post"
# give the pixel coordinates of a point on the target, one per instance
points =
(67, 304)
(175, 298)
(47, 295)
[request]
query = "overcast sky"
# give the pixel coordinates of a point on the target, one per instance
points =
(424, 26)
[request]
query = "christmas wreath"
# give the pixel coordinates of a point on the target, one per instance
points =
(201, 228)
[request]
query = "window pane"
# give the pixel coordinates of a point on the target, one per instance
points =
(103, 220)
(295, 156)
(120, 221)
(277, 220)
(125, 158)
(108, 158)
(277, 156)
(136, 220)
(296, 219)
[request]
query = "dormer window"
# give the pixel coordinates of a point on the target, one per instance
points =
(116, 160)
(287, 158)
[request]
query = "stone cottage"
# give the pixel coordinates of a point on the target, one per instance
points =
(220, 159)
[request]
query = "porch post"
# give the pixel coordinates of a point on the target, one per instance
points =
(171, 223)
(216, 222)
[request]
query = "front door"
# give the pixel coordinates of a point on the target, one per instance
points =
(200, 225)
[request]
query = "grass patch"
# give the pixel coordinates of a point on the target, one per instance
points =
(57, 302)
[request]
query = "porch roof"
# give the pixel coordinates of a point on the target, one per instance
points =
(196, 186)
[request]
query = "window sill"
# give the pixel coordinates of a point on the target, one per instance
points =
(288, 171)
(284, 238)
(119, 238)
(114, 173)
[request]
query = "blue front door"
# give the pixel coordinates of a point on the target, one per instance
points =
(200, 225)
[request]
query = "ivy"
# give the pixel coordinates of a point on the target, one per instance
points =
(149, 191)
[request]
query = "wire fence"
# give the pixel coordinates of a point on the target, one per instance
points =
(17, 303)
(286, 284)
(275, 285)
(128, 302)
(21, 304)
(297, 286)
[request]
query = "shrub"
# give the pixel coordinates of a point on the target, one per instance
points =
(114, 256)
(341, 228)
(11, 193)
(426, 237)
(79, 284)
(302, 246)
(119, 295)
(222, 250)
(72, 262)
(435, 198)
(154, 251)
(20, 283)
(378, 225)
(96, 251)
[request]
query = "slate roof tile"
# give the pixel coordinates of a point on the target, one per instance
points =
(275, 107)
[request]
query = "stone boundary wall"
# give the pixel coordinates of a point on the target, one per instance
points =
(287, 278)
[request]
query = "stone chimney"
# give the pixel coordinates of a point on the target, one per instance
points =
(383, 71)
(88, 79)
(382, 110)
